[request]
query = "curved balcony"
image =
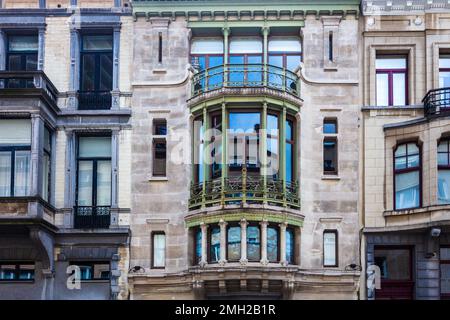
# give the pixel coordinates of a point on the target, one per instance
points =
(437, 102)
(245, 79)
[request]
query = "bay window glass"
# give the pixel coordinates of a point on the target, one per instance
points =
(93, 270)
(207, 53)
(290, 245)
(216, 151)
(19, 271)
(214, 244)
(444, 172)
(253, 243)
(283, 53)
(22, 172)
(22, 55)
(272, 146)
(5, 173)
(272, 243)
(289, 157)
(407, 176)
(330, 249)
(391, 80)
(199, 132)
(198, 245)
(248, 52)
(234, 243)
(159, 250)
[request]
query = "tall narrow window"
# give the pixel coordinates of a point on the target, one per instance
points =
(159, 148)
(289, 157)
(15, 157)
(290, 245)
(198, 245)
(273, 244)
(444, 80)
(234, 243)
(391, 85)
(216, 140)
(330, 248)
(273, 160)
(22, 55)
(96, 72)
(46, 165)
(159, 250)
(444, 172)
(330, 150)
(253, 243)
(160, 48)
(207, 54)
(214, 244)
(330, 46)
(407, 176)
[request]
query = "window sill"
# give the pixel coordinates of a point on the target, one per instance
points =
(332, 177)
(158, 179)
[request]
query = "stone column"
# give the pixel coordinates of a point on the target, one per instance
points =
(223, 242)
(283, 260)
(265, 31)
(263, 225)
(243, 224)
(204, 259)
(224, 152)
(115, 85)
(41, 48)
(74, 72)
(205, 160)
(263, 151)
(283, 154)
(37, 142)
(226, 34)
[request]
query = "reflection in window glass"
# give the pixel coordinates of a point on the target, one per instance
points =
(407, 176)
(234, 243)
(394, 264)
(444, 172)
(214, 253)
(198, 245)
(290, 245)
(253, 243)
(272, 244)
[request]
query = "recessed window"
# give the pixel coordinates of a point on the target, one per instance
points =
(330, 156)
(93, 270)
(22, 52)
(394, 263)
(407, 176)
(160, 127)
(444, 172)
(330, 248)
(159, 250)
(17, 271)
(159, 148)
(330, 126)
(391, 80)
(444, 70)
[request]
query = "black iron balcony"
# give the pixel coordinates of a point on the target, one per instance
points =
(28, 83)
(245, 76)
(244, 189)
(437, 102)
(92, 217)
(94, 100)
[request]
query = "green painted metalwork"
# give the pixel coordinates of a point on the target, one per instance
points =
(258, 216)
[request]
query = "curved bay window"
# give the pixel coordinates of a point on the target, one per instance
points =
(444, 171)
(207, 53)
(253, 243)
(214, 244)
(407, 181)
(234, 243)
(273, 244)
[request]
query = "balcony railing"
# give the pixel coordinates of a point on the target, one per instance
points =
(92, 217)
(245, 76)
(94, 100)
(244, 189)
(437, 102)
(23, 82)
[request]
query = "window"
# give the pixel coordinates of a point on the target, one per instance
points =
(159, 250)
(253, 243)
(160, 51)
(214, 244)
(290, 245)
(407, 176)
(96, 71)
(22, 53)
(330, 126)
(46, 165)
(391, 82)
(207, 53)
(233, 243)
(199, 139)
(159, 148)
(245, 51)
(160, 127)
(15, 157)
(444, 172)
(394, 263)
(330, 157)
(289, 157)
(198, 245)
(330, 248)
(216, 141)
(93, 270)
(444, 70)
(285, 52)
(272, 244)
(16, 271)
(273, 159)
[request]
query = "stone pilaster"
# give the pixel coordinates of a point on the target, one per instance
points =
(223, 242)
(244, 259)
(263, 225)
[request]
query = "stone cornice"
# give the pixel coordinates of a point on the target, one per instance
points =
(398, 7)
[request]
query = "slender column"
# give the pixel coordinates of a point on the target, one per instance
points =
(265, 31)
(205, 159)
(224, 152)
(41, 46)
(2, 50)
(226, 34)
(37, 142)
(204, 229)
(114, 167)
(74, 63)
(264, 150)
(263, 225)
(283, 154)
(243, 224)
(223, 242)
(283, 226)
(115, 84)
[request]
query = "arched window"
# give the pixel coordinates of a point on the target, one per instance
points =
(234, 243)
(214, 244)
(407, 176)
(253, 243)
(444, 171)
(290, 245)
(272, 243)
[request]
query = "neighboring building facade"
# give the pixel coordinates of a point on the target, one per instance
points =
(208, 223)
(405, 159)
(64, 147)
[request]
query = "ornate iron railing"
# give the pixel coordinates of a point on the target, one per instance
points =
(245, 76)
(437, 101)
(244, 189)
(92, 217)
(94, 100)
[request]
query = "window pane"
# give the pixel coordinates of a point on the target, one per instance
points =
(31, 62)
(15, 131)
(26, 272)
(444, 81)
(90, 147)
(86, 272)
(290, 246)
(88, 72)
(159, 161)
(272, 244)
(253, 243)
(289, 164)
(399, 86)
(243, 127)
(444, 61)
(159, 250)
(23, 43)
(443, 146)
(198, 245)
(85, 177)
(272, 144)
(106, 68)
(22, 173)
(101, 271)
(214, 253)
(5, 174)
(444, 253)
(215, 78)
(276, 60)
(160, 127)
(47, 139)
(412, 148)
(443, 159)
(97, 42)
(46, 176)
(7, 272)
(245, 45)
(207, 46)
(15, 62)
(329, 249)
(329, 126)
(407, 193)
(103, 183)
(329, 155)
(292, 62)
(401, 150)
(284, 44)
(444, 187)
(234, 243)
(382, 89)
(391, 63)
(393, 263)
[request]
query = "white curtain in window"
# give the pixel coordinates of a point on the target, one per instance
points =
(94, 147)
(444, 186)
(382, 89)
(103, 183)
(245, 45)
(284, 44)
(207, 46)
(399, 87)
(22, 173)
(159, 250)
(23, 43)
(5, 174)
(85, 176)
(407, 193)
(15, 131)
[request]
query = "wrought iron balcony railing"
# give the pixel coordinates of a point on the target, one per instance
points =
(25, 82)
(245, 76)
(94, 100)
(244, 189)
(92, 217)
(437, 102)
